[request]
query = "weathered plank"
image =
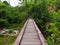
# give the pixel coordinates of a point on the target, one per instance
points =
(30, 35)
(41, 37)
(19, 38)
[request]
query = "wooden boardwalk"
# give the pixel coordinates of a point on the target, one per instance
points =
(30, 35)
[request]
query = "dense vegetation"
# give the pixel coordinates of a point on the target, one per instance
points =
(12, 18)
(46, 13)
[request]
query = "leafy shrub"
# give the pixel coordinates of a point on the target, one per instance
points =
(1, 35)
(48, 21)
(10, 31)
(8, 18)
(3, 23)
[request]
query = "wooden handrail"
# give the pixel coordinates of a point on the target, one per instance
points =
(20, 36)
(41, 37)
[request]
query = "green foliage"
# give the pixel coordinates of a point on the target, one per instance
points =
(10, 31)
(58, 4)
(10, 16)
(7, 40)
(5, 2)
(1, 35)
(49, 41)
(47, 20)
(46, 13)
(3, 23)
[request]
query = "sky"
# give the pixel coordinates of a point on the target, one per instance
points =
(13, 2)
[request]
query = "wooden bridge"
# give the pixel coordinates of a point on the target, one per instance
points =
(30, 35)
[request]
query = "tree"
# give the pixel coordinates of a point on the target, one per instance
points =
(5, 2)
(58, 4)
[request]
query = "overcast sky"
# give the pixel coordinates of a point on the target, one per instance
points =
(13, 2)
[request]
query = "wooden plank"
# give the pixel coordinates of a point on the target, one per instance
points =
(19, 38)
(41, 37)
(30, 36)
